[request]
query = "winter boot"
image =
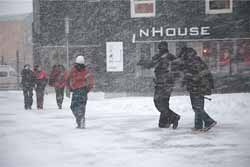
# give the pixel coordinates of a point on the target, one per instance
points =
(164, 121)
(161, 125)
(175, 121)
(197, 130)
(207, 128)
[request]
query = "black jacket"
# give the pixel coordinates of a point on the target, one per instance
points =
(166, 69)
(28, 78)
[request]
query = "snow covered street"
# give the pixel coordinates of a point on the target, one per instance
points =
(122, 132)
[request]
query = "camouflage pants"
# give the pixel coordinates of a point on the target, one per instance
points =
(59, 96)
(161, 101)
(28, 97)
(78, 104)
(201, 116)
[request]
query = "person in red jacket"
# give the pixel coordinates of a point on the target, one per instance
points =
(80, 81)
(40, 84)
(57, 79)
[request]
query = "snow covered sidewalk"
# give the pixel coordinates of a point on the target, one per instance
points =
(122, 132)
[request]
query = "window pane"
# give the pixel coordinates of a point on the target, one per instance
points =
(210, 55)
(144, 8)
(219, 4)
(243, 55)
(226, 56)
(3, 74)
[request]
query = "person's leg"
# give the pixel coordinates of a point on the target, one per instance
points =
(30, 92)
(78, 107)
(161, 103)
(197, 105)
(25, 94)
(58, 97)
(174, 118)
(83, 102)
(200, 114)
(40, 96)
(75, 106)
(208, 121)
(38, 101)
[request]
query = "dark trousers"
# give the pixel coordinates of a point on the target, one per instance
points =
(28, 97)
(78, 104)
(39, 98)
(161, 101)
(59, 96)
(201, 117)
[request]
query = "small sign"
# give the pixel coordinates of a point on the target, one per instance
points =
(114, 60)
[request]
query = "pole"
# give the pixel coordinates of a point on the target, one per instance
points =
(17, 67)
(67, 49)
(67, 41)
(2, 60)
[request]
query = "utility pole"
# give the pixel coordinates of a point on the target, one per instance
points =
(17, 67)
(67, 41)
(67, 49)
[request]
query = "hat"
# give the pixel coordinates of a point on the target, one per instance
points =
(27, 66)
(80, 59)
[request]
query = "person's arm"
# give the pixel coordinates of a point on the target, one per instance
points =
(149, 63)
(90, 81)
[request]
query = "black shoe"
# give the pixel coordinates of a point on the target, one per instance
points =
(207, 128)
(175, 121)
(164, 125)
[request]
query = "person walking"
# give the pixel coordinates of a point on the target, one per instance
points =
(199, 82)
(80, 81)
(57, 79)
(40, 84)
(166, 69)
(27, 82)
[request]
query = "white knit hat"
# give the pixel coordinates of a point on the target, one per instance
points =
(80, 59)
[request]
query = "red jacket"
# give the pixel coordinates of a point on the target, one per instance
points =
(41, 79)
(57, 78)
(80, 78)
(40, 75)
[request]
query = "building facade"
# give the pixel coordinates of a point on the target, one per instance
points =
(115, 34)
(16, 41)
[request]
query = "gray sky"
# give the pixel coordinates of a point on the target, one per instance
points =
(13, 7)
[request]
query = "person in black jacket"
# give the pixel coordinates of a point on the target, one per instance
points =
(28, 80)
(199, 82)
(166, 68)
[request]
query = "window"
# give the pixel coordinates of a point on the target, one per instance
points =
(243, 55)
(145, 52)
(210, 55)
(219, 6)
(142, 8)
(3, 74)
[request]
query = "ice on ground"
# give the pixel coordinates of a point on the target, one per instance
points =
(123, 132)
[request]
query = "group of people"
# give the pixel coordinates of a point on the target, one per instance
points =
(33, 79)
(78, 80)
(167, 67)
(197, 78)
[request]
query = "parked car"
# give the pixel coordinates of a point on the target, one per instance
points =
(8, 77)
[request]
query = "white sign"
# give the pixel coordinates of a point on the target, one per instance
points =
(114, 57)
(173, 32)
